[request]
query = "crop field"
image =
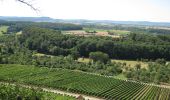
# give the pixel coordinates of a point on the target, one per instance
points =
(98, 33)
(121, 32)
(77, 82)
(15, 92)
(3, 29)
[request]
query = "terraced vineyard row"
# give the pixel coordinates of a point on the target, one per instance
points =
(77, 82)
(16, 92)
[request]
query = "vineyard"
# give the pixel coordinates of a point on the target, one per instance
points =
(77, 82)
(16, 92)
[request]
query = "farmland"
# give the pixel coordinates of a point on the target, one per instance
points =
(77, 82)
(106, 30)
(13, 92)
(117, 33)
(121, 32)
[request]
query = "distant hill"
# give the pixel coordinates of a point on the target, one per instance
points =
(33, 19)
(83, 21)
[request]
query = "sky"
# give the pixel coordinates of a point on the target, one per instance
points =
(117, 10)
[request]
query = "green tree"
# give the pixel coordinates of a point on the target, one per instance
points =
(161, 61)
(99, 56)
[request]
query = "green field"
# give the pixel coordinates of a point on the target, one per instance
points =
(77, 82)
(3, 29)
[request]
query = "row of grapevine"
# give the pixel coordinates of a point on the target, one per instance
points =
(77, 82)
(16, 92)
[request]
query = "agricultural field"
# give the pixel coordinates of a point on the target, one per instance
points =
(117, 33)
(77, 82)
(3, 29)
(14, 92)
(120, 32)
(77, 32)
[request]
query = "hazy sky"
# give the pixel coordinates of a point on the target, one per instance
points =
(124, 10)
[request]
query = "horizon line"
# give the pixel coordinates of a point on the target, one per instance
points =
(88, 19)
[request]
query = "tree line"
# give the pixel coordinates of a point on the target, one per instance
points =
(16, 26)
(135, 46)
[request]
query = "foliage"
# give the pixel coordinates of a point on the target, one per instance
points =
(135, 46)
(99, 56)
(156, 72)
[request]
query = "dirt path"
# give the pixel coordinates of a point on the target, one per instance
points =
(71, 94)
(55, 91)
